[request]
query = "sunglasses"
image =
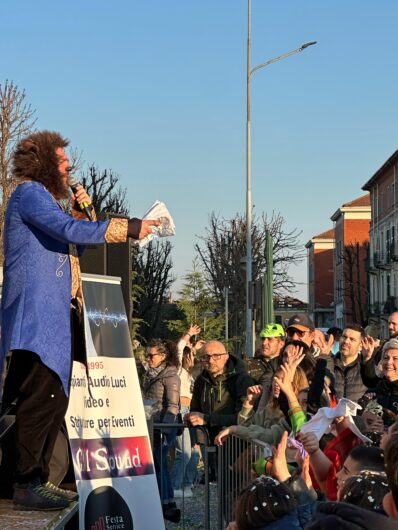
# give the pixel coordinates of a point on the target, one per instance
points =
(294, 331)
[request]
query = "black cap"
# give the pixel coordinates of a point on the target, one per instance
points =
(300, 321)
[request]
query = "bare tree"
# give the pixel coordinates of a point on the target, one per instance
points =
(152, 266)
(222, 253)
(16, 120)
(105, 192)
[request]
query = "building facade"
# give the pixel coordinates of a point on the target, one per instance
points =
(382, 264)
(320, 259)
(351, 232)
(286, 307)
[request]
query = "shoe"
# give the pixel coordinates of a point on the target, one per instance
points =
(67, 494)
(186, 492)
(178, 494)
(171, 512)
(34, 496)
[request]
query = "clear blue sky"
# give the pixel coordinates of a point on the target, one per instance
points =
(156, 91)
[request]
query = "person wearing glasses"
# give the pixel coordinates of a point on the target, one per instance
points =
(218, 393)
(162, 384)
(300, 327)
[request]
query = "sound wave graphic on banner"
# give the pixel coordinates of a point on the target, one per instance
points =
(103, 317)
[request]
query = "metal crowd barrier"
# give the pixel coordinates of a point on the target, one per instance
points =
(235, 459)
(206, 449)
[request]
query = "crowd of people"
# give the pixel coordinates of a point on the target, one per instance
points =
(326, 405)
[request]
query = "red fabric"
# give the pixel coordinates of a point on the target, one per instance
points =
(332, 401)
(337, 451)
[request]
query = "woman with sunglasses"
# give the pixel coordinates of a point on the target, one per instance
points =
(162, 384)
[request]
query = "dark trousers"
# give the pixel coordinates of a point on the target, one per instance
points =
(41, 407)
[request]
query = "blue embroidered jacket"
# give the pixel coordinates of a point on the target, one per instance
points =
(35, 305)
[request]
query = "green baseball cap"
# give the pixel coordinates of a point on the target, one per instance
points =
(272, 330)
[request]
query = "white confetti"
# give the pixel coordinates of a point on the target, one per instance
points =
(253, 488)
(370, 499)
(264, 504)
(287, 496)
(256, 508)
(275, 504)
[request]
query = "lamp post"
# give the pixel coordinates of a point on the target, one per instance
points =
(226, 295)
(249, 257)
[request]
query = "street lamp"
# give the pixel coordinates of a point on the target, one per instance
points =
(249, 257)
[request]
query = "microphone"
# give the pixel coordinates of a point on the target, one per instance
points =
(85, 207)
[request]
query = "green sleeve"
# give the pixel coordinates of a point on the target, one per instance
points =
(297, 420)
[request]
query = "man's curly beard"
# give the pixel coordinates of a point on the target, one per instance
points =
(63, 191)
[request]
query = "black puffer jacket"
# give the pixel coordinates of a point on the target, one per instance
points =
(342, 516)
(220, 398)
(387, 394)
(346, 380)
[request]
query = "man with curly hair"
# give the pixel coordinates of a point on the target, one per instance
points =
(41, 306)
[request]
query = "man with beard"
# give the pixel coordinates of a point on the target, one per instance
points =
(41, 306)
(345, 366)
(300, 327)
(265, 363)
(393, 324)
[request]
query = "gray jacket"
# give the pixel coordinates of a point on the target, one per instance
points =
(346, 380)
(165, 389)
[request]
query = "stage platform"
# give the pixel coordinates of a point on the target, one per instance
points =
(11, 519)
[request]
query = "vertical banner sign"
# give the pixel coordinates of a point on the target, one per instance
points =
(106, 422)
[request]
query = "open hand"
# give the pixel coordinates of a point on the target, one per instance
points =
(368, 348)
(194, 330)
(295, 357)
(279, 464)
(320, 342)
